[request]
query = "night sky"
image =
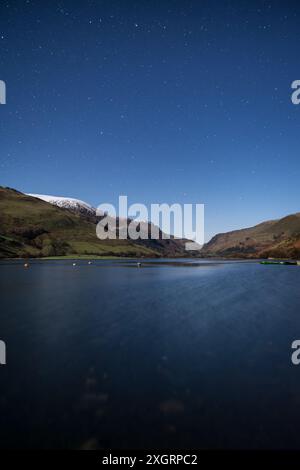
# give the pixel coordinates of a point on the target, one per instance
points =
(164, 101)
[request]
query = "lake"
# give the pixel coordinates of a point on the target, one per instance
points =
(168, 355)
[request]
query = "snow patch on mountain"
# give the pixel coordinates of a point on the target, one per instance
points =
(66, 203)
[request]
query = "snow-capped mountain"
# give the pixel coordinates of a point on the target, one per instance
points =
(78, 206)
(70, 203)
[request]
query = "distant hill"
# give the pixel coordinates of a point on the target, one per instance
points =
(31, 227)
(274, 238)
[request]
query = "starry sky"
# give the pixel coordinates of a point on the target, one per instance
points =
(164, 101)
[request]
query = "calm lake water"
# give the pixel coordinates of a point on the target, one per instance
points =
(163, 356)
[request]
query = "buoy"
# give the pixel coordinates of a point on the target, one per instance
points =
(74, 264)
(89, 262)
(139, 265)
(26, 265)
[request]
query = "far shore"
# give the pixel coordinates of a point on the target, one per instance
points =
(75, 257)
(69, 257)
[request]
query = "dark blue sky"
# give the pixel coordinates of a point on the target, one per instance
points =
(165, 101)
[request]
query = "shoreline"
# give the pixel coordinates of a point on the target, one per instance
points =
(162, 258)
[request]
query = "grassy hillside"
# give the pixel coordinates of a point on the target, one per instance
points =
(30, 227)
(276, 238)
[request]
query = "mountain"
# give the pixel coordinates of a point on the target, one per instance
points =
(40, 226)
(75, 205)
(33, 227)
(274, 238)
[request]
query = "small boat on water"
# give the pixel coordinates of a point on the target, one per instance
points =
(285, 263)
